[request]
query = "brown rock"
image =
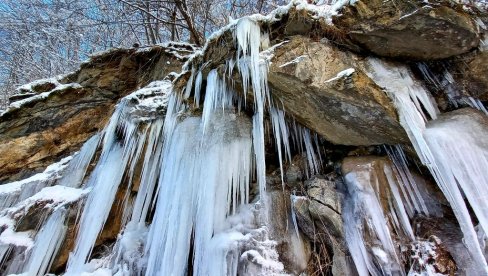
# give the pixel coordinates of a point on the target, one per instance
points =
(409, 29)
(41, 131)
(348, 109)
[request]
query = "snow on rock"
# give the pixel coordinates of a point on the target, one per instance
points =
(342, 74)
(55, 197)
(22, 189)
(294, 61)
(29, 87)
(146, 102)
(38, 97)
(10, 237)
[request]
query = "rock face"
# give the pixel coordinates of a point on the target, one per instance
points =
(475, 80)
(409, 29)
(322, 87)
(318, 215)
(59, 117)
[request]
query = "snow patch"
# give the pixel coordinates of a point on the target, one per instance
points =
(342, 74)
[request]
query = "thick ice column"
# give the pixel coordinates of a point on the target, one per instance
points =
(47, 243)
(204, 178)
(458, 142)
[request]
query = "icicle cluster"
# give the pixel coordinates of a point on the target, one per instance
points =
(368, 222)
(443, 154)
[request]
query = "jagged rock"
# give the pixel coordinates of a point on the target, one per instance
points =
(325, 205)
(409, 29)
(39, 130)
(320, 85)
(319, 217)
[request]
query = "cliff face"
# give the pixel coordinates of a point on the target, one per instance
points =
(52, 118)
(317, 139)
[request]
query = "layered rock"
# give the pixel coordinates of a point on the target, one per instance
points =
(322, 87)
(59, 115)
(409, 29)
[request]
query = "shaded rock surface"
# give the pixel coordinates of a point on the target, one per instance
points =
(322, 87)
(409, 29)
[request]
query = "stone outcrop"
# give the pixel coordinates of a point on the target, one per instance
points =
(60, 115)
(322, 87)
(409, 29)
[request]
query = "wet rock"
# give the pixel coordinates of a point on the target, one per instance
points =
(409, 29)
(321, 86)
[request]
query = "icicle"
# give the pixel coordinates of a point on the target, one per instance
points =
(259, 153)
(48, 241)
(217, 96)
(461, 160)
(189, 84)
(75, 173)
(14, 192)
(364, 205)
(248, 36)
(408, 185)
(399, 208)
(476, 103)
(198, 88)
(275, 117)
(150, 171)
(104, 183)
(407, 96)
(201, 178)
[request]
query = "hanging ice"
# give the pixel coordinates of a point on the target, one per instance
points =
(76, 171)
(369, 223)
(410, 100)
(203, 179)
(47, 244)
(105, 180)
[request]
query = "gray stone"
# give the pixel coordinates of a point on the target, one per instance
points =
(409, 29)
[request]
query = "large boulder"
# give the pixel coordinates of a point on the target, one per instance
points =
(321, 86)
(409, 29)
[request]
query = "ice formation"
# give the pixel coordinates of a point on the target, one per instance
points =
(368, 222)
(454, 174)
(192, 213)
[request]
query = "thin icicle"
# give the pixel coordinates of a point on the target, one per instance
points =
(47, 244)
(104, 181)
(198, 88)
(76, 171)
(407, 96)
(409, 188)
(279, 140)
